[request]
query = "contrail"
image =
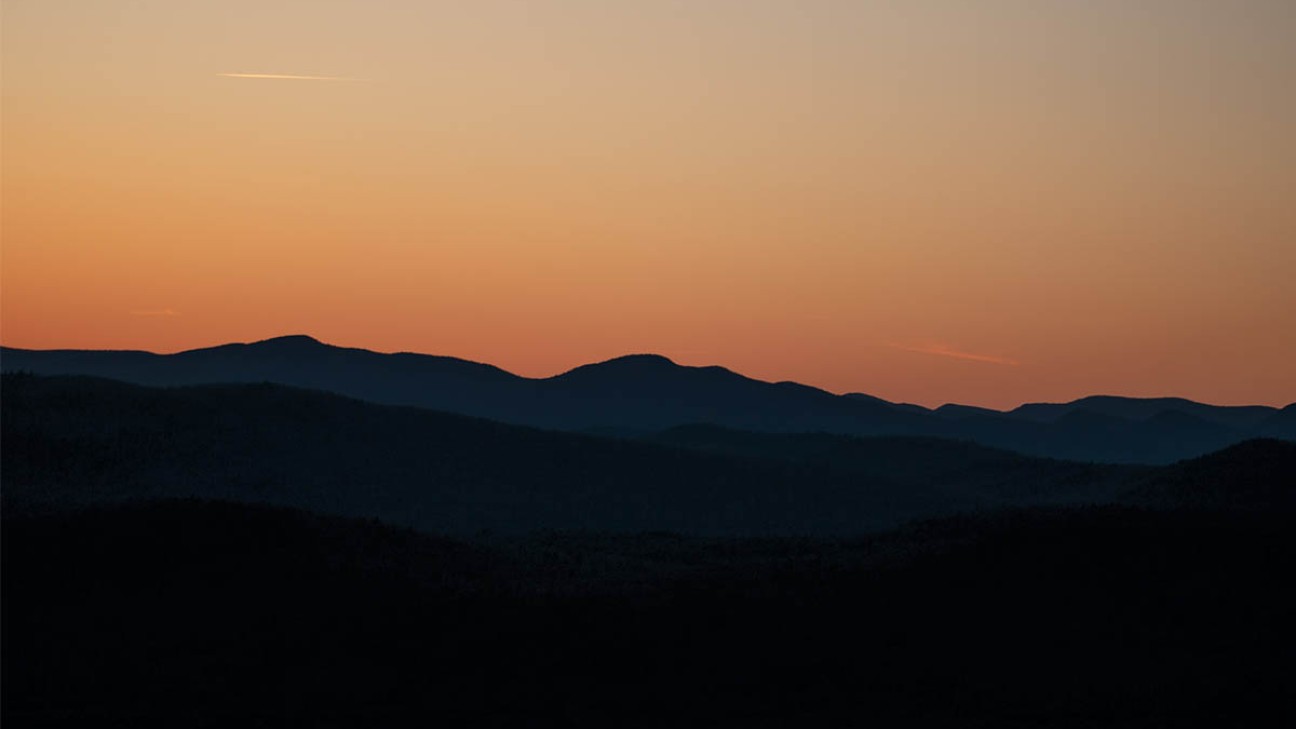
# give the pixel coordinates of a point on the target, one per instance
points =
(287, 77)
(941, 350)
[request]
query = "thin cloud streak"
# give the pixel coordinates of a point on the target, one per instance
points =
(941, 350)
(287, 77)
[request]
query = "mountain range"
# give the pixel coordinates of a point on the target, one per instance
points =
(72, 442)
(260, 554)
(643, 394)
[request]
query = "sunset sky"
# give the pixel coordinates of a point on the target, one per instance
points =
(978, 201)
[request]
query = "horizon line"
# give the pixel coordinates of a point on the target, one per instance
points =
(655, 354)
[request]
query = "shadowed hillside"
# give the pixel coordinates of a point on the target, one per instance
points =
(1258, 475)
(914, 460)
(73, 441)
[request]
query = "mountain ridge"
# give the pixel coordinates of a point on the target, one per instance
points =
(646, 392)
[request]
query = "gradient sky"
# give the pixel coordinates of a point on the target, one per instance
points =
(979, 201)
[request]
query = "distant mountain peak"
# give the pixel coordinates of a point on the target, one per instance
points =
(289, 340)
(301, 344)
(625, 363)
(645, 368)
(640, 359)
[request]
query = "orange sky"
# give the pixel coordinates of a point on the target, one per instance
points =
(938, 200)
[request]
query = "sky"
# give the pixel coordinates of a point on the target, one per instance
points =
(979, 201)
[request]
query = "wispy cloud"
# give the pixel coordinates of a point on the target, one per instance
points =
(287, 77)
(155, 312)
(941, 350)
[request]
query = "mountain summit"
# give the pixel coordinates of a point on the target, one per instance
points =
(290, 341)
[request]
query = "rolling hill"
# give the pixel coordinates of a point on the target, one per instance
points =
(71, 441)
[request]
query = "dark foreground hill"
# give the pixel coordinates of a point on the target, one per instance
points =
(77, 441)
(203, 615)
(642, 394)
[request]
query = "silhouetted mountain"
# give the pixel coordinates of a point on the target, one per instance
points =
(413, 379)
(642, 394)
(71, 441)
(209, 614)
(1257, 475)
(649, 392)
(1139, 408)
